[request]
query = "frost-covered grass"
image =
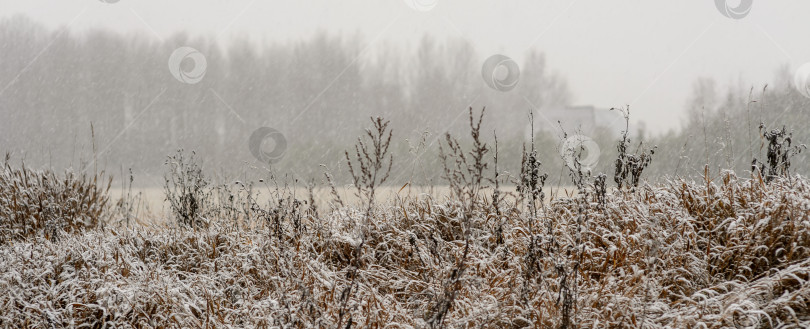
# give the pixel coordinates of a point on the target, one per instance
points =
(43, 203)
(715, 254)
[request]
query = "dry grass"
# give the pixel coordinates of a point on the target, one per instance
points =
(730, 253)
(684, 254)
(42, 203)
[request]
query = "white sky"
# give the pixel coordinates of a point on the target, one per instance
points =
(643, 52)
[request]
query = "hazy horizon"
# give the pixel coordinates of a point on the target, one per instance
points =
(644, 54)
(251, 84)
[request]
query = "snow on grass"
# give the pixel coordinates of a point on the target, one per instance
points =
(723, 254)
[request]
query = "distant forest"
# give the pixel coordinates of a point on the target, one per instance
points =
(320, 93)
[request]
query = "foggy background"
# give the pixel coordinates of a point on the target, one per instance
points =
(316, 70)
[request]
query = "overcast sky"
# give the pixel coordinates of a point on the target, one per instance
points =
(639, 52)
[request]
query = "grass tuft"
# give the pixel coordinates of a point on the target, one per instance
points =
(41, 203)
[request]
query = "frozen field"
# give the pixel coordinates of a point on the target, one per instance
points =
(722, 254)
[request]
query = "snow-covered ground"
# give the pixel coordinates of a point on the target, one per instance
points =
(730, 253)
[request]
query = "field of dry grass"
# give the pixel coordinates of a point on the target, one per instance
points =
(717, 254)
(152, 207)
(724, 252)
